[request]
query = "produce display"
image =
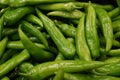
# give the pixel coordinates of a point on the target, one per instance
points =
(59, 40)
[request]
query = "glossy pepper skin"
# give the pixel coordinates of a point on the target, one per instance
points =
(34, 19)
(35, 32)
(81, 44)
(41, 71)
(38, 53)
(106, 25)
(14, 15)
(3, 44)
(91, 32)
(64, 46)
(18, 3)
(75, 14)
(13, 62)
(70, 6)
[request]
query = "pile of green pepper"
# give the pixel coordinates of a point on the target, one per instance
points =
(59, 40)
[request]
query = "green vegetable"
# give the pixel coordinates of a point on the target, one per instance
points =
(106, 25)
(34, 19)
(34, 31)
(81, 44)
(13, 62)
(3, 44)
(12, 16)
(44, 70)
(64, 46)
(75, 14)
(70, 6)
(38, 53)
(91, 32)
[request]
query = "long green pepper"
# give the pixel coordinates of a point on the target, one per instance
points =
(64, 46)
(42, 71)
(91, 32)
(106, 25)
(81, 44)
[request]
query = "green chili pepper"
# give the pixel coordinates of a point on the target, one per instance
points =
(34, 31)
(82, 51)
(13, 16)
(70, 6)
(114, 52)
(114, 13)
(91, 32)
(33, 19)
(64, 46)
(19, 45)
(5, 78)
(7, 54)
(44, 70)
(59, 75)
(38, 53)
(18, 3)
(13, 62)
(106, 24)
(66, 29)
(75, 14)
(3, 44)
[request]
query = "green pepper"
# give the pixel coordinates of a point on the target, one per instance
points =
(3, 44)
(75, 14)
(34, 31)
(13, 62)
(82, 51)
(64, 46)
(106, 25)
(18, 3)
(19, 45)
(114, 13)
(12, 16)
(91, 32)
(70, 6)
(33, 19)
(38, 53)
(41, 71)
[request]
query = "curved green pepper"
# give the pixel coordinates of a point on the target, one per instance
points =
(64, 46)
(91, 32)
(81, 44)
(106, 25)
